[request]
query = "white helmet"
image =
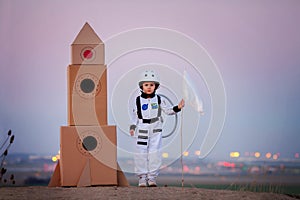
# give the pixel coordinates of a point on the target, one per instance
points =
(149, 76)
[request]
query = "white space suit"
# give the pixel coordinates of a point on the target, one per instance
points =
(147, 121)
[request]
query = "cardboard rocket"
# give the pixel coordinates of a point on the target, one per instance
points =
(88, 145)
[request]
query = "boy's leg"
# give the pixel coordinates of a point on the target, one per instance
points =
(143, 181)
(154, 157)
(141, 160)
(141, 166)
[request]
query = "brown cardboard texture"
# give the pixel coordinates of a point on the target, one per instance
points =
(85, 177)
(87, 95)
(88, 155)
(87, 47)
(55, 179)
(87, 35)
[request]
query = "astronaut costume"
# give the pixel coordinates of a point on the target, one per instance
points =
(147, 122)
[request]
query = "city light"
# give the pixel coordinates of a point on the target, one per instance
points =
(54, 158)
(186, 153)
(275, 156)
(165, 155)
(197, 153)
(257, 154)
(197, 169)
(226, 164)
(234, 154)
(268, 155)
(57, 157)
(186, 168)
(297, 155)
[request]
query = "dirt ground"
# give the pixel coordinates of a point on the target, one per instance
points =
(170, 193)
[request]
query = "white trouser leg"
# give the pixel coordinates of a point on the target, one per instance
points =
(141, 161)
(154, 154)
(141, 155)
(148, 150)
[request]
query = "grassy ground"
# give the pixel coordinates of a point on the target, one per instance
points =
(282, 189)
(241, 185)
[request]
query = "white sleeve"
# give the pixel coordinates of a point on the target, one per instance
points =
(133, 115)
(167, 109)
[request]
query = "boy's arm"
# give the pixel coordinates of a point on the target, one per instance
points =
(133, 119)
(169, 110)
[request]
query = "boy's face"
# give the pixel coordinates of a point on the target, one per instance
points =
(148, 87)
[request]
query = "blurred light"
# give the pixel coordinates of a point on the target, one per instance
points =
(165, 155)
(186, 153)
(54, 158)
(58, 155)
(297, 155)
(209, 166)
(234, 154)
(268, 155)
(257, 154)
(186, 168)
(275, 156)
(197, 169)
(197, 153)
(226, 164)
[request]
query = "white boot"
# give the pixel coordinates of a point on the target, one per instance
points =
(152, 182)
(143, 181)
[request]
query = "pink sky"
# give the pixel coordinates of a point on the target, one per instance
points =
(255, 44)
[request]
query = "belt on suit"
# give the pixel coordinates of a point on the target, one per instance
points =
(150, 121)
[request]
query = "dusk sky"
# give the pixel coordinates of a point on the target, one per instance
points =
(254, 44)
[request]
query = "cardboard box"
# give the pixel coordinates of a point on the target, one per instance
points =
(87, 47)
(87, 95)
(88, 152)
(88, 155)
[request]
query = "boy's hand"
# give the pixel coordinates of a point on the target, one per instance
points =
(181, 104)
(131, 132)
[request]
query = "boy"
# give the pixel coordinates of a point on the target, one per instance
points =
(146, 120)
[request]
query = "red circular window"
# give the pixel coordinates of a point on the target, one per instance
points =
(87, 54)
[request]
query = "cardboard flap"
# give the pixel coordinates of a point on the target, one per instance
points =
(55, 179)
(85, 177)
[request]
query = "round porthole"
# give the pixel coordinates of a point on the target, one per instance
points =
(88, 54)
(89, 143)
(88, 85)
